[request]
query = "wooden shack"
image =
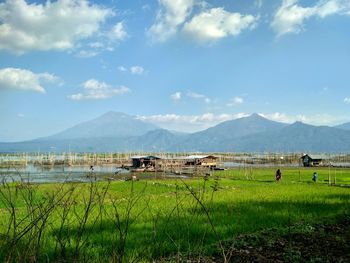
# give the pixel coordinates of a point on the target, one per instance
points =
(144, 161)
(308, 160)
(201, 160)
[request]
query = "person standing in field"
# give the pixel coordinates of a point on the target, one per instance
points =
(314, 177)
(278, 175)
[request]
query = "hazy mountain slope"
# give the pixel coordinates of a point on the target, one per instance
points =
(218, 136)
(111, 124)
(160, 140)
(297, 137)
(65, 145)
(250, 134)
(344, 126)
(156, 141)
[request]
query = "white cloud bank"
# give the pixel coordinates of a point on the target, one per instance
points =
(207, 25)
(96, 90)
(193, 123)
(22, 79)
(347, 100)
(189, 123)
(290, 16)
(315, 119)
(57, 25)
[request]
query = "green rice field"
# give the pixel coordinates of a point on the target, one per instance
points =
(163, 220)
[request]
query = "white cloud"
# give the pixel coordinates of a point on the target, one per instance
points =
(207, 100)
(170, 16)
(282, 117)
(189, 123)
(96, 90)
(122, 68)
(235, 101)
(118, 33)
(20, 115)
(146, 7)
(57, 25)
(331, 7)
(195, 95)
(87, 54)
(290, 16)
(96, 45)
(22, 79)
(347, 100)
(176, 96)
(50, 78)
(206, 26)
(137, 70)
(216, 23)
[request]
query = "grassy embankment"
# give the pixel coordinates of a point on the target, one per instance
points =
(154, 219)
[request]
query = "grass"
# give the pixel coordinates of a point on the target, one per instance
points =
(156, 219)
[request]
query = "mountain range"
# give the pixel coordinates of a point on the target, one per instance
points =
(119, 132)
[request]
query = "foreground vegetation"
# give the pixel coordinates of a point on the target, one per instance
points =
(157, 220)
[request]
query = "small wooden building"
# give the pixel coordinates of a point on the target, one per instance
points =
(308, 160)
(201, 160)
(144, 161)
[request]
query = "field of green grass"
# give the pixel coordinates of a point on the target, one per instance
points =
(150, 220)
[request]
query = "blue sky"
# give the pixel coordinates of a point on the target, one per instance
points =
(183, 65)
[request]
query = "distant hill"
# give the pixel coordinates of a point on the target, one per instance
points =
(160, 140)
(111, 125)
(64, 145)
(157, 140)
(345, 126)
(297, 137)
(118, 132)
(219, 136)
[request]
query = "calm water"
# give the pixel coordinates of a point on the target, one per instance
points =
(39, 174)
(52, 174)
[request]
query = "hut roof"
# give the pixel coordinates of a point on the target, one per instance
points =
(192, 157)
(316, 156)
(151, 157)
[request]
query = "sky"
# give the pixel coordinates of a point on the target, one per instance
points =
(184, 65)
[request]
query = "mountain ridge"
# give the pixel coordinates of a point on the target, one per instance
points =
(111, 124)
(121, 132)
(344, 126)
